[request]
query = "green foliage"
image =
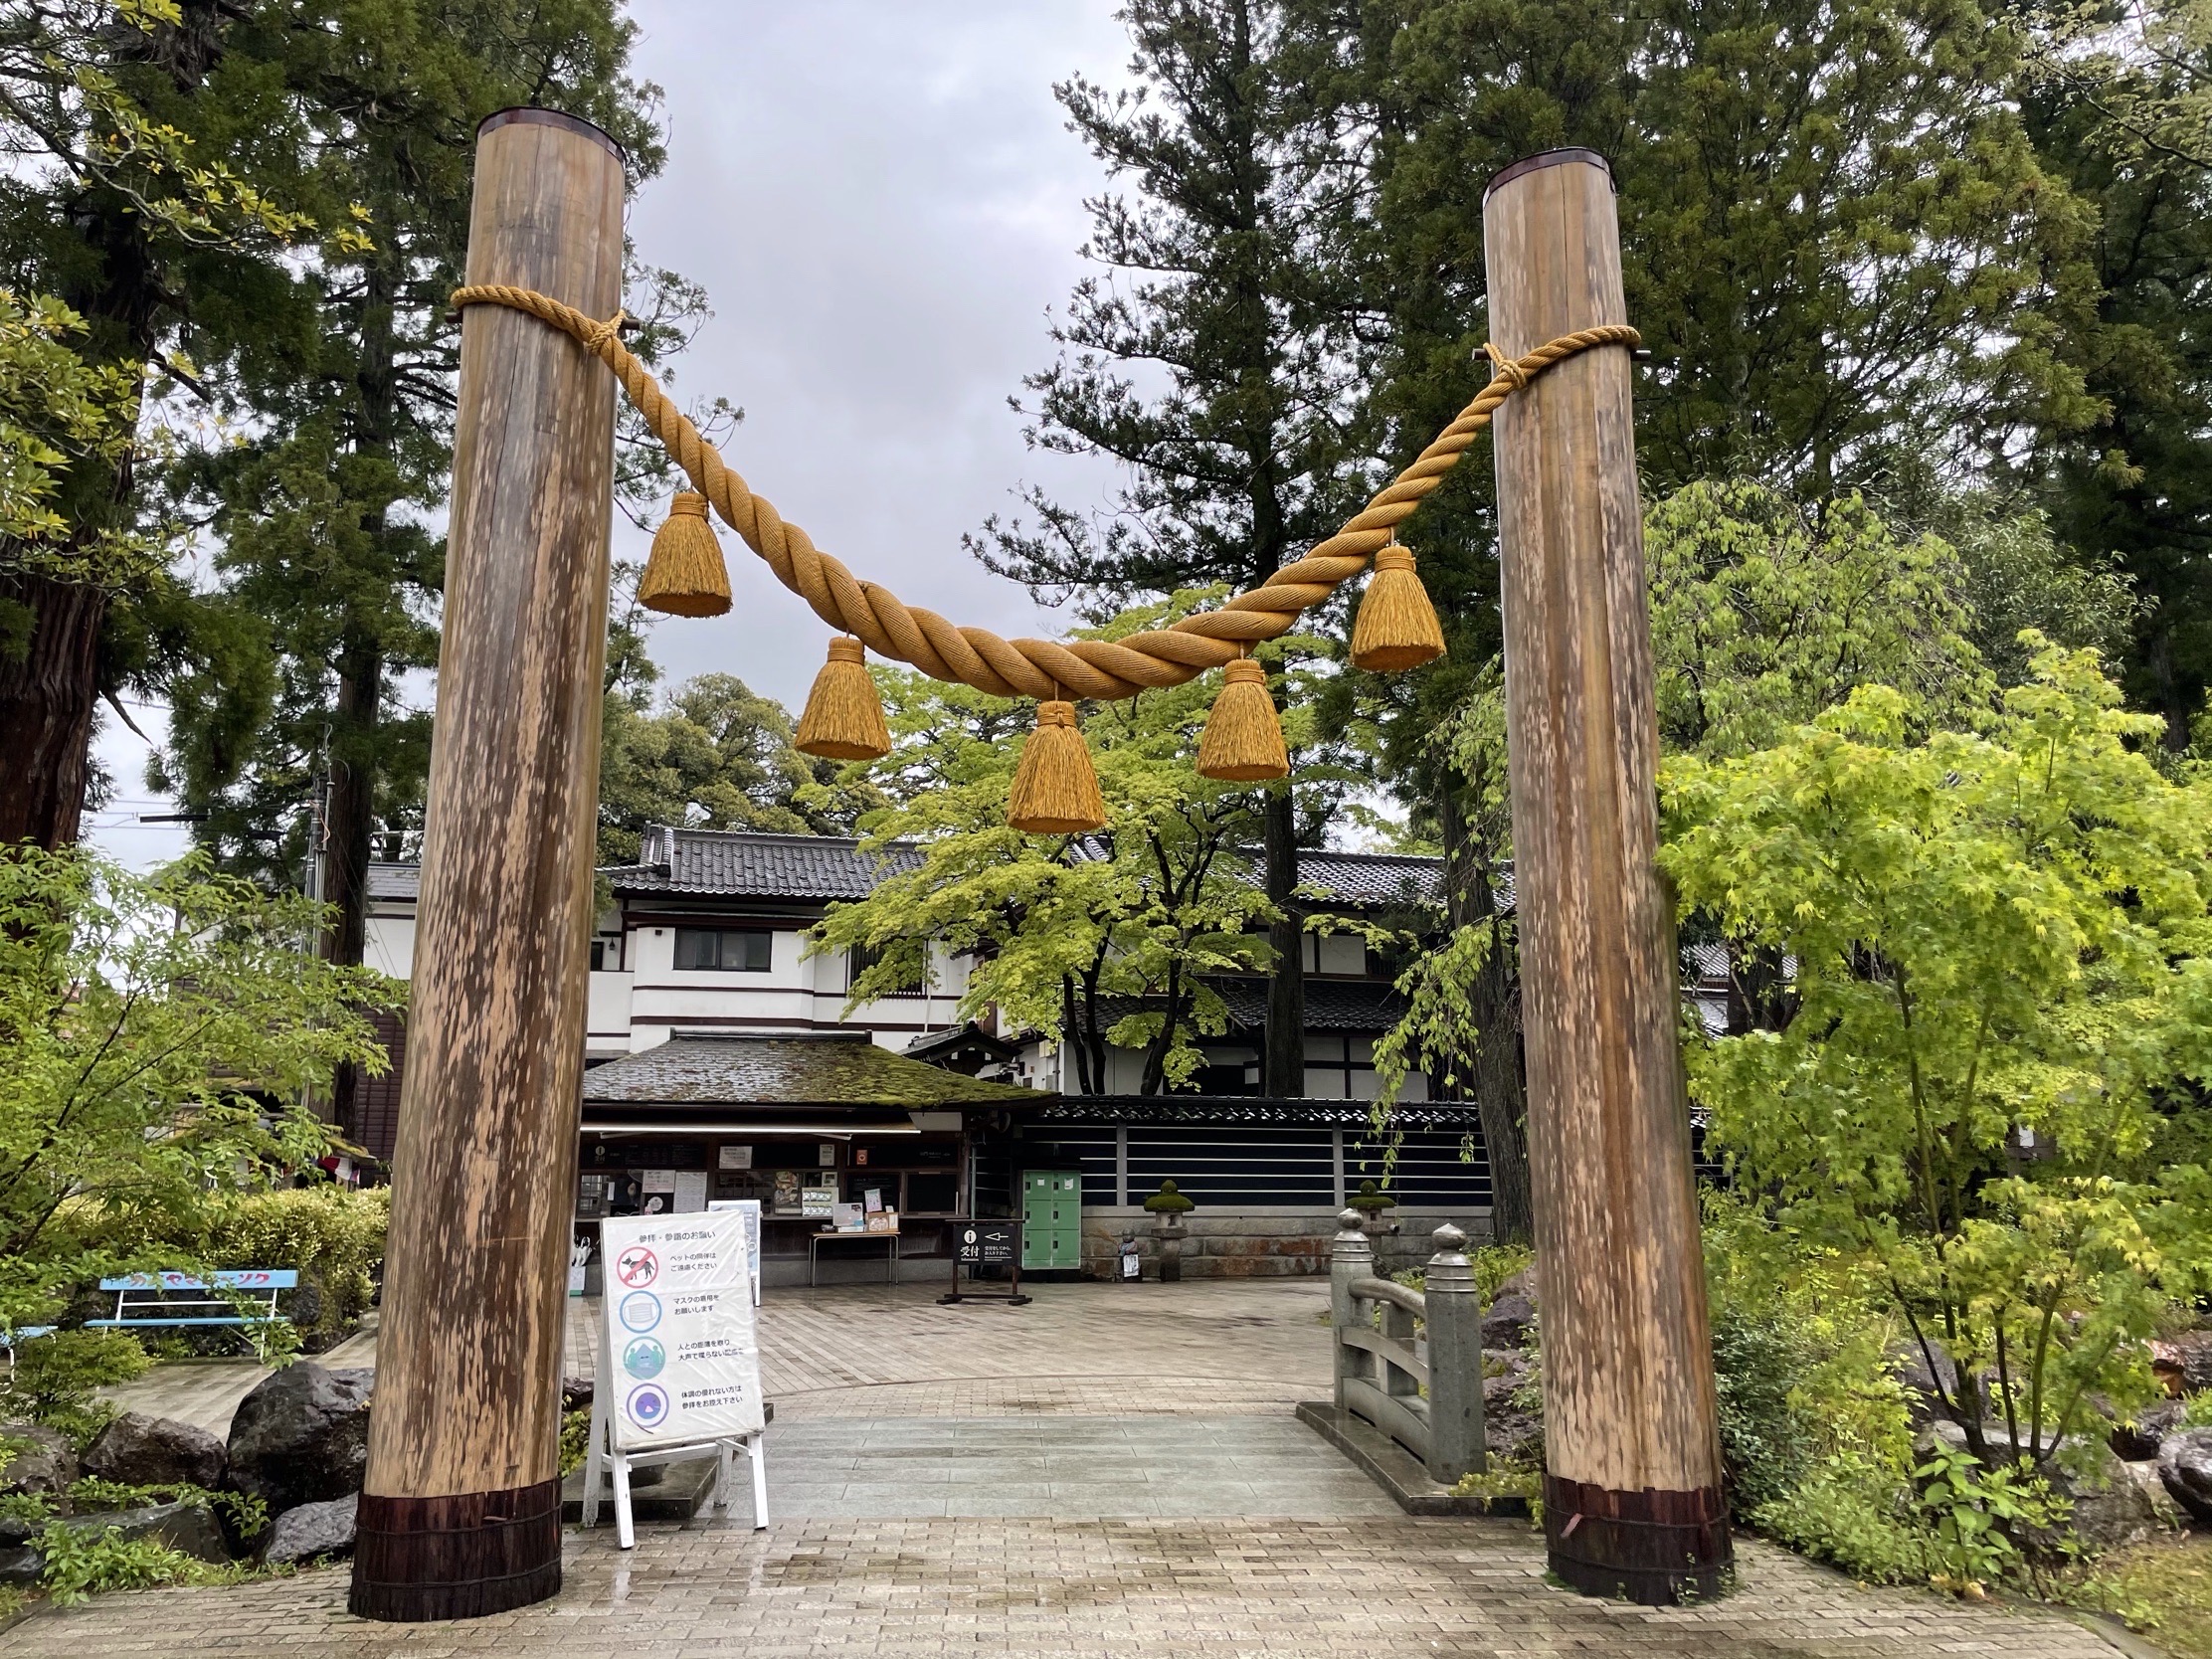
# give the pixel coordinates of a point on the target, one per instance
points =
(2197, 1410)
(247, 1513)
(56, 1377)
(332, 1235)
(718, 757)
(1978, 1514)
(2163, 1587)
(1168, 1200)
(81, 1562)
(1494, 1264)
(162, 1030)
(55, 407)
(1764, 613)
(576, 1439)
(1096, 941)
(1992, 934)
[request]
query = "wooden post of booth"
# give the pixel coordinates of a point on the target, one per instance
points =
(1632, 1500)
(461, 1515)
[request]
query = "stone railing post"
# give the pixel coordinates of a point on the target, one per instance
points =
(1456, 1432)
(1351, 1257)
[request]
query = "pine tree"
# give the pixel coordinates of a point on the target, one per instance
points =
(1212, 358)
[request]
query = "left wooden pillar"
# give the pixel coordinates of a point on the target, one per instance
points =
(462, 1513)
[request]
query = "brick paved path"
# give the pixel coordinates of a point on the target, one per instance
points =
(944, 1394)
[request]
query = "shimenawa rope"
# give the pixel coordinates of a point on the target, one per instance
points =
(1041, 668)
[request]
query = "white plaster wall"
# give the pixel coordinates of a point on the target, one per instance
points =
(389, 945)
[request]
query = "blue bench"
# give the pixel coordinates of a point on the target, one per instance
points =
(159, 1296)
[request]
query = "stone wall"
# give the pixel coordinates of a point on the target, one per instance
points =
(1261, 1243)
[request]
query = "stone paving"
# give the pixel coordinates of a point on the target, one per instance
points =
(1112, 1471)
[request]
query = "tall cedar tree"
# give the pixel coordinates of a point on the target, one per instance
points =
(157, 170)
(1211, 359)
(326, 557)
(1836, 241)
(2138, 485)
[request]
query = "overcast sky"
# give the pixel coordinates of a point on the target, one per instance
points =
(883, 203)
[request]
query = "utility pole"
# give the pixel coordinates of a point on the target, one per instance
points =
(460, 1514)
(1632, 1500)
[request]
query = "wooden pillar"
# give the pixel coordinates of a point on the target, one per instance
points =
(1632, 1491)
(461, 1515)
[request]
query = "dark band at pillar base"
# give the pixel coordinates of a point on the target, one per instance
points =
(456, 1556)
(1654, 1548)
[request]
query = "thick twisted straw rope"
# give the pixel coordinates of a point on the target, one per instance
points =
(1037, 668)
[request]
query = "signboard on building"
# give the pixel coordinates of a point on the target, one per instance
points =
(680, 1363)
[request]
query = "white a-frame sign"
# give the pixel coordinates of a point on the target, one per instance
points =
(678, 1359)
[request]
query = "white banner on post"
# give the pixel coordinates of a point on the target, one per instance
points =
(683, 1361)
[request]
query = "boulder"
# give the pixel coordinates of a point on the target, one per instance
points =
(576, 1394)
(2138, 1438)
(310, 1532)
(2184, 1363)
(2169, 1513)
(1515, 1436)
(21, 1565)
(2109, 1508)
(1922, 1404)
(42, 1461)
(1507, 1322)
(2185, 1468)
(302, 1435)
(189, 1528)
(139, 1450)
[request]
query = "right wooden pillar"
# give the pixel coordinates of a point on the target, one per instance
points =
(1633, 1503)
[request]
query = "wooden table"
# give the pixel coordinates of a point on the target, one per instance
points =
(815, 1243)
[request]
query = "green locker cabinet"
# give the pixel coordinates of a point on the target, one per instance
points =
(1051, 1219)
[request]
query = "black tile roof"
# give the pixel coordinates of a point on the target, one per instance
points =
(1330, 1004)
(750, 863)
(746, 864)
(815, 1068)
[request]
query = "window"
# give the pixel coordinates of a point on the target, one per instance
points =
(723, 950)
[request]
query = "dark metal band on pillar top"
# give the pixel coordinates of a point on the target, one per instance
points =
(1653, 1548)
(1549, 158)
(525, 114)
(458, 1557)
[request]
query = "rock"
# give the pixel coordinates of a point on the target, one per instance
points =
(189, 1528)
(310, 1530)
(2111, 1507)
(2139, 1439)
(576, 1394)
(1514, 1436)
(2168, 1512)
(1922, 1404)
(2184, 1363)
(1507, 1321)
(43, 1460)
(302, 1435)
(2185, 1467)
(139, 1450)
(21, 1565)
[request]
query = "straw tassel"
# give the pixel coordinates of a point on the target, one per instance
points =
(844, 717)
(1397, 627)
(1055, 789)
(686, 576)
(1243, 741)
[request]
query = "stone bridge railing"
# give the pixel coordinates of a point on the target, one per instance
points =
(1426, 1394)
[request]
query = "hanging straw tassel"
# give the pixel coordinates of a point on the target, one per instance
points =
(1243, 741)
(1055, 789)
(686, 576)
(844, 717)
(1397, 626)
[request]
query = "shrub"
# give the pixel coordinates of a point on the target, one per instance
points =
(1167, 1200)
(79, 1562)
(56, 1378)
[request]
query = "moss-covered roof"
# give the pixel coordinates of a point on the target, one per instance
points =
(814, 1068)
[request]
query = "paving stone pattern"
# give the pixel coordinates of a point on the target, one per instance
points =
(1109, 1472)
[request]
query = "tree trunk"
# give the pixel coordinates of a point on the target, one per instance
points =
(1494, 1068)
(1284, 1068)
(49, 681)
(345, 883)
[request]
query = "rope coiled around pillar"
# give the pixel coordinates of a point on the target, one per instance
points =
(1041, 668)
